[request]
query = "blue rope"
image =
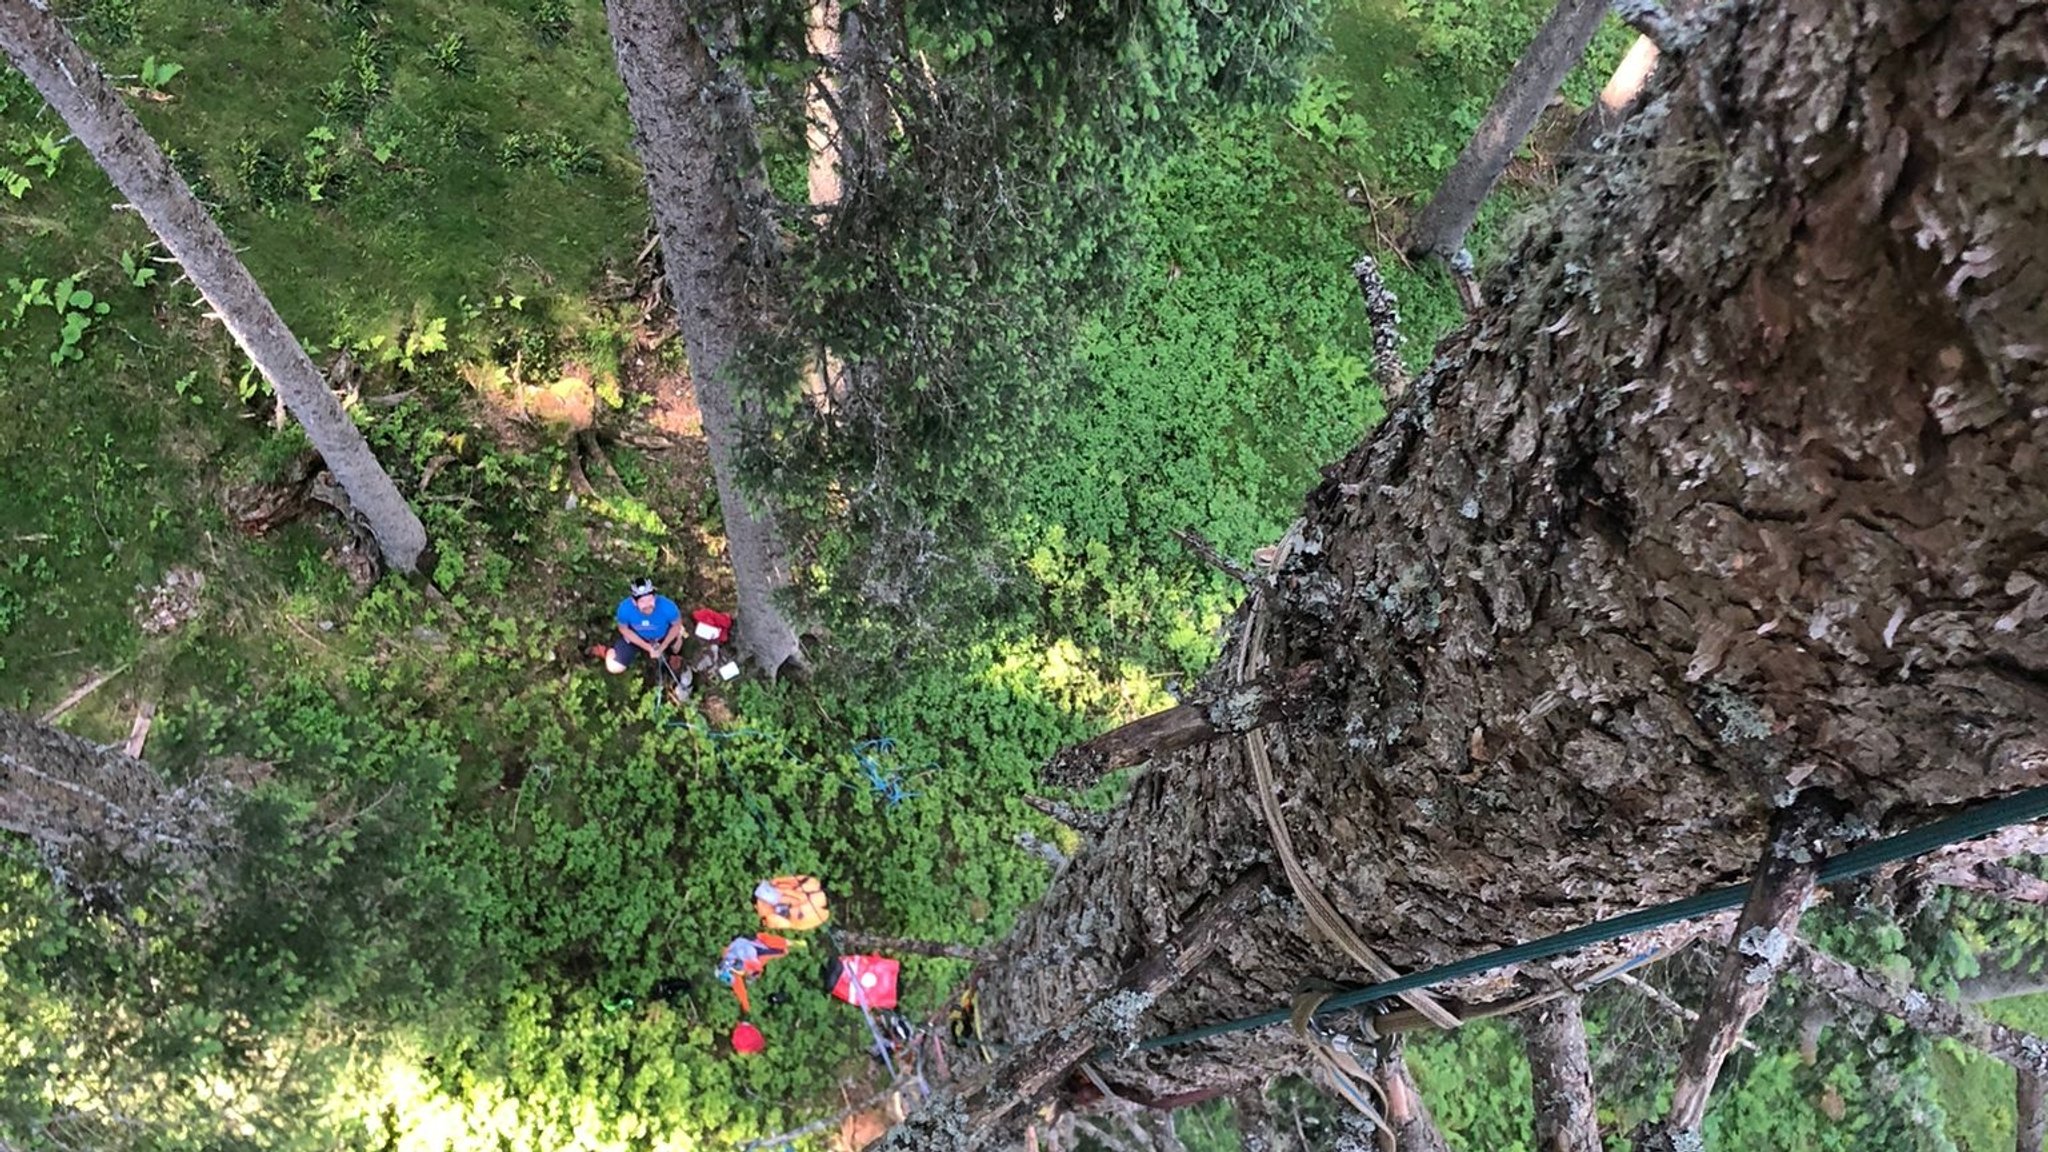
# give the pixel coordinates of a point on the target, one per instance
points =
(2019, 808)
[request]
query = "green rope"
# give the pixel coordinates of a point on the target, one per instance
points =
(1990, 817)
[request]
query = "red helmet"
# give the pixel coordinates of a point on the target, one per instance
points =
(747, 1039)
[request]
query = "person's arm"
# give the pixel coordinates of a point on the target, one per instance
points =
(634, 639)
(674, 639)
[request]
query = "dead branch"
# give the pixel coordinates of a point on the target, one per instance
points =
(1383, 316)
(1566, 1117)
(870, 942)
(1759, 947)
(80, 693)
(1199, 544)
(1650, 19)
(1079, 819)
(1236, 709)
(983, 1114)
(1415, 1129)
(1656, 996)
(1932, 1015)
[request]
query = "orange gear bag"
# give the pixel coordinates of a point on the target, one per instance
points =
(791, 903)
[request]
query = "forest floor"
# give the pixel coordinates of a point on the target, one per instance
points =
(443, 197)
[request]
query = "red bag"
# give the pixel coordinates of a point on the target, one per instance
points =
(712, 627)
(864, 981)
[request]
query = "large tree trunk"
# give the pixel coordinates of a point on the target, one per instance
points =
(101, 818)
(694, 129)
(1558, 46)
(74, 86)
(1738, 489)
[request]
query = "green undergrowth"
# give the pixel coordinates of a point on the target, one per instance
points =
(472, 856)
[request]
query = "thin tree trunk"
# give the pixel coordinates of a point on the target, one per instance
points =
(2031, 1108)
(73, 85)
(1561, 42)
(1690, 518)
(694, 129)
(1562, 1071)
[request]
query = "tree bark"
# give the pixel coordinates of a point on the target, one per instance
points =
(101, 818)
(2025, 1052)
(45, 52)
(694, 128)
(1562, 1069)
(1757, 949)
(1213, 715)
(2030, 1128)
(2001, 978)
(1440, 228)
(1732, 491)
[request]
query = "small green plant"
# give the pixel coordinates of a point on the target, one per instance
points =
(450, 54)
(187, 387)
(135, 266)
(319, 157)
(75, 306)
(14, 183)
(45, 151)
(551, 20)
(156, 74)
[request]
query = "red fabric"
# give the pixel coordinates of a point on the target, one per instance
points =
(865, 981)
(716, 620)
(747, 1039)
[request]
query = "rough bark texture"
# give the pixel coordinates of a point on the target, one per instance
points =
(1736, 487)
(1562, 1072)
(1559, 44)
(73, 85)
(1932, 1015)
(1757, 949)
(101, 818)
(694, 130)
(1208, 716)
(2030, 1128)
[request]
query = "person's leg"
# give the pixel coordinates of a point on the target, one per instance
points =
(620, 657)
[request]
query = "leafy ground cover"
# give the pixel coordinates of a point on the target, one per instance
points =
(472, 857)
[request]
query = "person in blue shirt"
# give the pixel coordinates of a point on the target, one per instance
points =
(647, 623)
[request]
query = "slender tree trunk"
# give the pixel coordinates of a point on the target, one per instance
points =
(2030, 1128)
(73, 85)
(1732, 492)
(1558, 46)
(1562, 1071)
(102, 818)
(694, 129)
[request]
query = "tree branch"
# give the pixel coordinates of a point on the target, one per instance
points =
(1415, 1129)
(1383, 316)
(1932, 1015)
(1562, 1069)
(1763, 939)
(1234, 710)
(1079, 819)
(1650, 19)
(869, 942)
(1199, 544)
(1026, 1075)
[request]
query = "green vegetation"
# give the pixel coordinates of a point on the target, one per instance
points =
(470, 857)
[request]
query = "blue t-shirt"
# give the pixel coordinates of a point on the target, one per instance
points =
(650, 626)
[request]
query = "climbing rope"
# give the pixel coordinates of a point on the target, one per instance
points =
(2018, 808)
